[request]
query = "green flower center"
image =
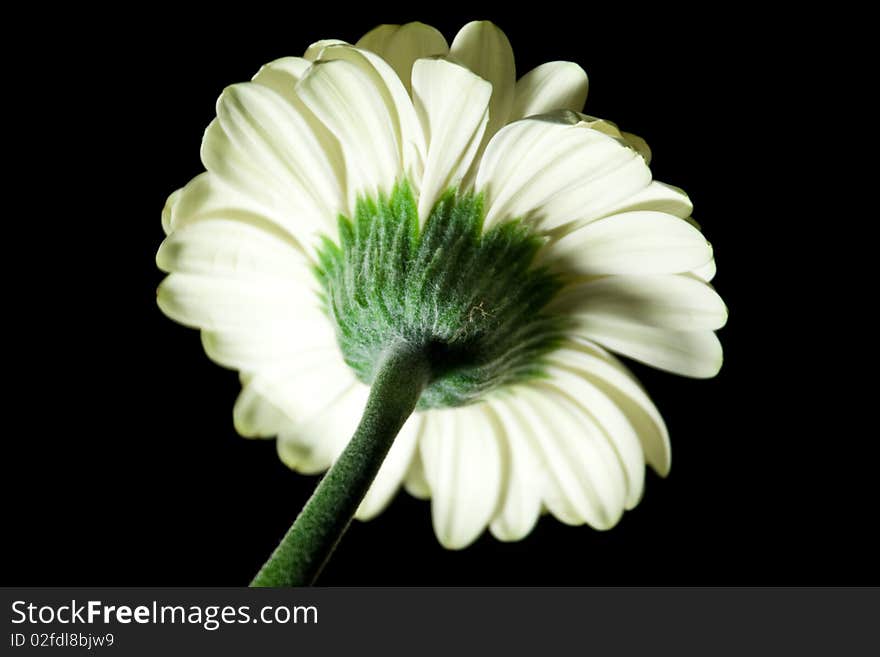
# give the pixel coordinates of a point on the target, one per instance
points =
(471, 300)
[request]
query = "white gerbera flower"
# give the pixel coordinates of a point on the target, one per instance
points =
(401, 191)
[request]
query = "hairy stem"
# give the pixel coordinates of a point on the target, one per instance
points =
(297, 561)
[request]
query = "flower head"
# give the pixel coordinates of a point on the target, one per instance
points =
(404, 189)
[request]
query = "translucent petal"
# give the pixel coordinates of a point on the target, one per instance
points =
(706, 272)
(282, 75)
(402, 45)
(313, 52)
(485, 50)
(548, 87)
(415, 482)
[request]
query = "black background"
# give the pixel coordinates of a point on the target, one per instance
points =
(123, 466)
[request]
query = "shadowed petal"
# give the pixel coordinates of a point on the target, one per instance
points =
(402, 45)
(548, 87)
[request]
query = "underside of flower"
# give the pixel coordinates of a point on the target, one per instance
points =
(402, 231)
(468, 299)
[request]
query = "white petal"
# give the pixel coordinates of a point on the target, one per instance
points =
(706, 272)
(227, 247)
(678, 303)
(463, 462)
(253, 348)
(408, 130)
(257, 417)
(550, 86)
(656, 197)
(452, 104)
(613, 423)
(638, 144)
(631, 243)
(216, 303)
(282, 75)
(485, 50)
(275, 138)
(168, 210)
(264, 148)
(207, 198)
(584, 480)
(521, 498)
(415, 483)
(609, 375)
(311, 445)
(313, 52)
(697, 354)
(278, 139)
(393, 470)
(294, 389)
(402, 45)
(346, 98)
(551, 174)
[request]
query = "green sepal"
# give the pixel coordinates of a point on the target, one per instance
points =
(470, 299)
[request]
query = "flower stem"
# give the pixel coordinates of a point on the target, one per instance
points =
(297, 561)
